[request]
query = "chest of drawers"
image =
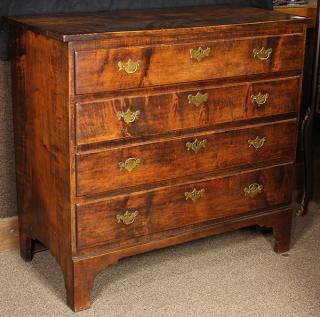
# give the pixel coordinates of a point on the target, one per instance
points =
(138, 130)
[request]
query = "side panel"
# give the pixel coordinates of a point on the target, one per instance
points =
(41, 120)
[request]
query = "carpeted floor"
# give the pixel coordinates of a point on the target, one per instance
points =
(234, 274)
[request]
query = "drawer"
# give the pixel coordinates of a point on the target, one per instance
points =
(161, 160)
(122, 218)
(122, 68)
(137, 116)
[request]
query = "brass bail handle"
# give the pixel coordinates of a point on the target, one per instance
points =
(127, 218)
(257, 143)
(130, 67)
(128, 116)
(196, 146)
(253, 190)
(200, 53)
(195, 194)
(199, 99)
(130, 164)
(262, 53)
(260, 99)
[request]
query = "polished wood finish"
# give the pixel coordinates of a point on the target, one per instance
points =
(68, 89)
(172, 64)
(97, 26)
(42, 145)
(9, 234)
(163, 160)
(169, 112)
(164, 209)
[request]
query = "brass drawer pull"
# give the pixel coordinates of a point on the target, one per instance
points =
(199, 99)
(130, 164)
(195, 194)
(128, 217)
(128, 116)
(130, 66)
(260, 99)
(257, 143)
(262, 53)
(196, 145)
(253, 190)
(200, 53)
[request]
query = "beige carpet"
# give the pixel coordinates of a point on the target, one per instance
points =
(235, 274)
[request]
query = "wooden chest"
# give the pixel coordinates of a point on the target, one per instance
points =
(137, 130)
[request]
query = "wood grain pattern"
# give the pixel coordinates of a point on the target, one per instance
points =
(42, 140)
(97, 121)
(9, 234)
(100, 172)
(67, 88)
(165, 209)
(98, 70)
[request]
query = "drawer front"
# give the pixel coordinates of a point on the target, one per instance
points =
(126, 217)
(162, 160)
(138, 116)
(122, 68)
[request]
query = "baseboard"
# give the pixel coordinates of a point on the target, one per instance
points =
(9, 234)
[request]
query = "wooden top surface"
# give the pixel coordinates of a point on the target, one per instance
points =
(75, 26)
